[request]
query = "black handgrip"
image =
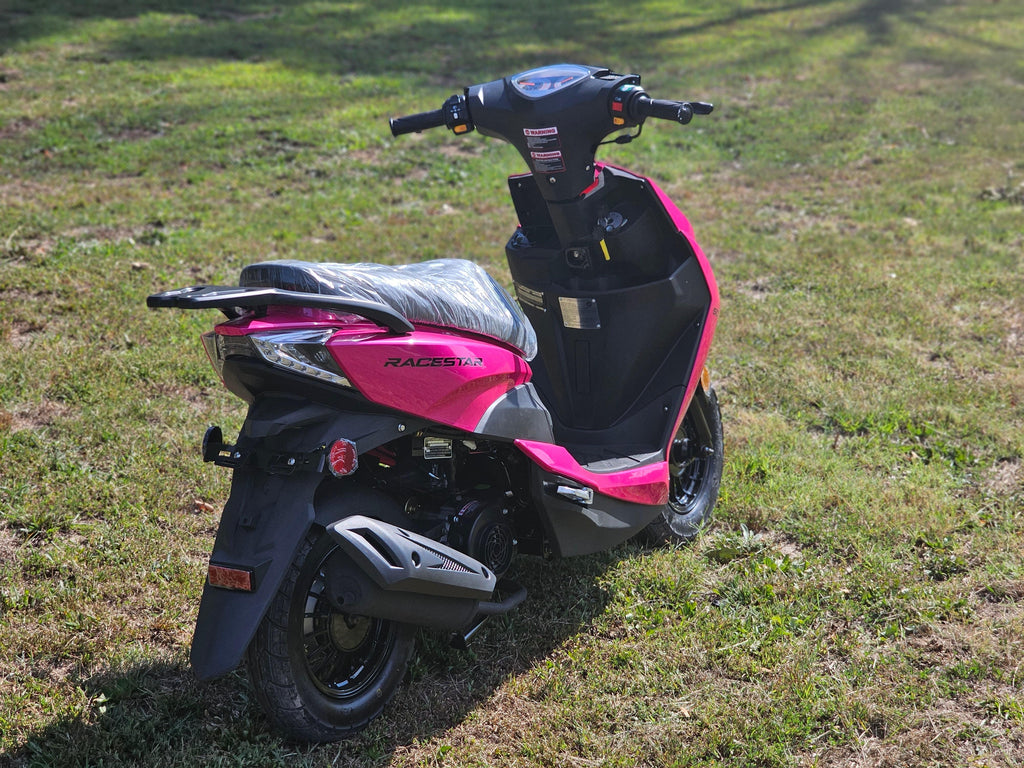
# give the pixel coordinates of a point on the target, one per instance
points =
(662, 109)
(416, 123)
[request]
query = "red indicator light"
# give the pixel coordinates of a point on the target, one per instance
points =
(616, 106)
(222, 576)
(342, 459)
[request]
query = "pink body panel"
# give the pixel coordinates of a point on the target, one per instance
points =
(644, 485)
(686, 229)
(445, 377)
(684, 226)
(292, 318)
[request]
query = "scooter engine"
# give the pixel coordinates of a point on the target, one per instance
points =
(482, 528)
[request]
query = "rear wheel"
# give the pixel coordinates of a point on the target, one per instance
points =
(695, 472)
(320, 674)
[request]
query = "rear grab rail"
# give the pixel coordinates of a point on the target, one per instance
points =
(231, 299)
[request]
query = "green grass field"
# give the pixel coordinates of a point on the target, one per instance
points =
(859, 600)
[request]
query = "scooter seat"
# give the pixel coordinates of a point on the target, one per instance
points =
(452, 293)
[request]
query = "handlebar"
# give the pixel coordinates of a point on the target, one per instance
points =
(681, 112)
(454, 115)
(416, 123)
(556, 117)
(630, 101)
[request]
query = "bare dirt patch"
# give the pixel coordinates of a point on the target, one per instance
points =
(18, 126)
(8, 544)
(135, 134)
(462, 149)
(20, 192)
(947, 733)
(1004, 477)
(1014, 338)
(21, 335)
(758, 289)
(38, 416)
(368, 156)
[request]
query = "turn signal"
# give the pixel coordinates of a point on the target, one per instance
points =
(342, 458)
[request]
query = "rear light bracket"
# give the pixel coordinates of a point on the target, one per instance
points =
(272, 461)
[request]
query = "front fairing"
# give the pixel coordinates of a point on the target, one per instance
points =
(556, 130)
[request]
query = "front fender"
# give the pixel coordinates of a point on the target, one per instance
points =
(266, 517)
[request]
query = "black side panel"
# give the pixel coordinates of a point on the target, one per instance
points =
(275, 416)
(575, 529)
(267, 515)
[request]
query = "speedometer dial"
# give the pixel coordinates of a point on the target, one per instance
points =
(538, 83)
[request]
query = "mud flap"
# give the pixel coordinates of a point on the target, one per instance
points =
(260, 531)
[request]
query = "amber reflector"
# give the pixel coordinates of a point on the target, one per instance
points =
(230, 578)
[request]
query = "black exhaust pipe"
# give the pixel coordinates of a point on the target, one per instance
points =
(387, 572)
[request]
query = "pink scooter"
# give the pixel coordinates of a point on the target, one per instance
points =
(412, 428)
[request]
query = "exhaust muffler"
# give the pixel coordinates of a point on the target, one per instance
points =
(387, 572)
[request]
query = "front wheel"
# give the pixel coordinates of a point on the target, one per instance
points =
(320, 674)
(695, 472)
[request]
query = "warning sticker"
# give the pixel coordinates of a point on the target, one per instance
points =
(548, 162)
(542, 139)
(580, 314)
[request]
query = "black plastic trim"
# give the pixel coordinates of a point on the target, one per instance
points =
(574, 529)
(238, 297)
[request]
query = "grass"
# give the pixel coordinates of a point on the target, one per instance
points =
(858, 601)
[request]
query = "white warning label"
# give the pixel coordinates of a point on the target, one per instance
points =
(542, 139)
(548, 162)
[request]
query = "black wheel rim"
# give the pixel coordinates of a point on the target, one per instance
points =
(688, 467)
(344, 655)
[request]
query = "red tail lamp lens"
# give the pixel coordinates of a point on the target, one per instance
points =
(225, 577)
(342, 458)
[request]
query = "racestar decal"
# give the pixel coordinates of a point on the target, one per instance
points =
(434, 362)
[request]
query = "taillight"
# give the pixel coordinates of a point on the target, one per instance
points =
(302, 351)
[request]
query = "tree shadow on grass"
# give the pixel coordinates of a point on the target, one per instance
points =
(460, 41)
(346, 38)
(159, 715)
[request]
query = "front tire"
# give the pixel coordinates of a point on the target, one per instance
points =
(321, 675)
(695, 473)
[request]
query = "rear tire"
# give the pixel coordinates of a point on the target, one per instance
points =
(321, 675)
(695, 473)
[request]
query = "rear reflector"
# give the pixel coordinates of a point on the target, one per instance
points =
(342, 458)
(225, 577)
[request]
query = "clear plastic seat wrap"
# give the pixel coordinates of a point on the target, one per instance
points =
(453, 293)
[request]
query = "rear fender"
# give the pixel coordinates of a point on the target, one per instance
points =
(264, 520)
(266, 517)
